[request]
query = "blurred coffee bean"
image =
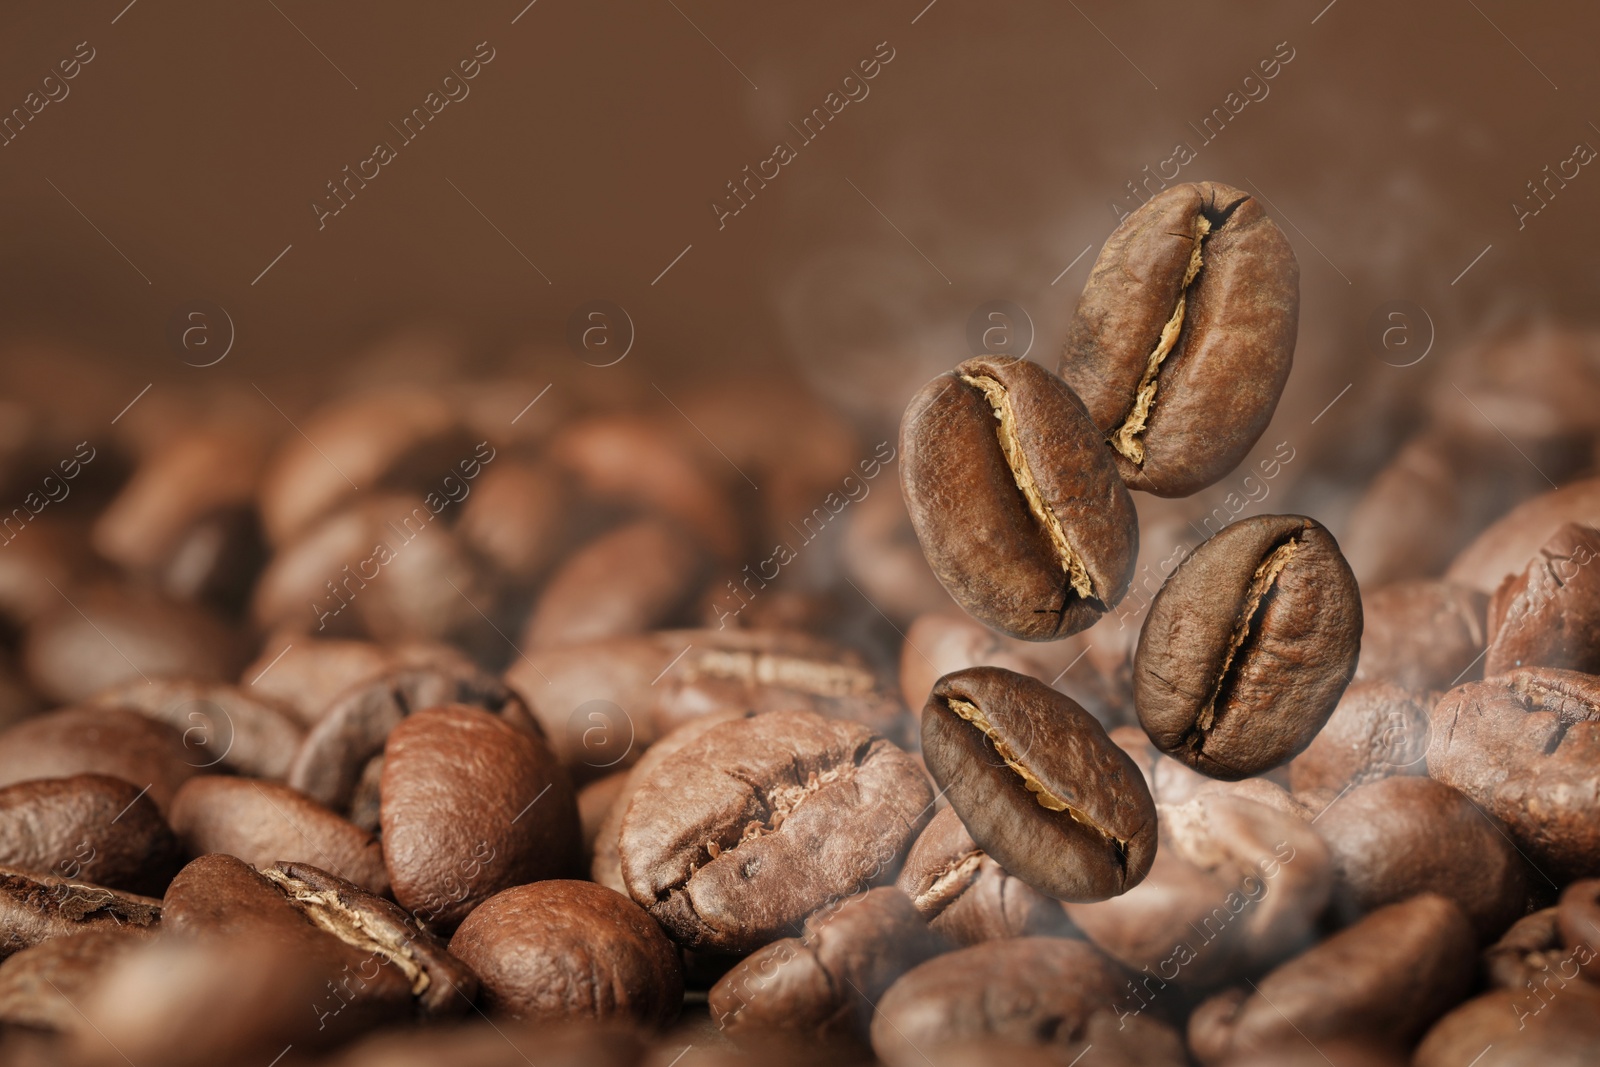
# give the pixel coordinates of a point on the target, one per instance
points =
(390, 966)
(634, 461)
(518, 517)
(1503, 1028)
(1515, 538)
(1526, 747)
(633, 579)
(595, 802)
(733, 840)
(1377, 730)
(306, 675)
(109, 635)
(17, 700)
(486, 1043)
(1395, 838)
(1235, 888)
(1386, 978)
(942, 643)
(1248, 647)
(880, 554)
(39, 986)
(825, 983)
(186, 518)
(606, 865)
(649, 685)
(392, 437)
(353, 729)
(471, 806)
(265, 822)
(123, 744)
(1422, 634)
(966, 896)
(37, 568)
(565, 951)
(386, 566)
(1549, 615)
(1527, 951)
(1578, 920)
(1183, 338)
(1038, 784)
(1017, 504)
(88, 826)
(1040, 991)
(38, 907)
(222, 726)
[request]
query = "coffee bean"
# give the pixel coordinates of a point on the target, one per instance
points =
(880, 553)
(1025, 990)
(90, 827)
(1423, 634)
(1377, 730)
(501, 1043)
(1038, 784)
(222, 726)
(1016, 502)
(1578, 920)
(471, 806)
(519, 517)
(264, 822)
(307, 676)
(1184, 336)
(353, 730)
(1387, 978)
(38, 907)
(40, 985)
(1509, 1028)
(825, 983)
(635, 578)
(1235, 888)
(565, 951)
(111, 636)
(732, 841)
(1173, 783)
(1528, 949)
(109, 741)
(1526, 747)
(1248, 646)
(1397, 837)
(940, 643)
(966, 896)
(1549, 615)
(1515, 538)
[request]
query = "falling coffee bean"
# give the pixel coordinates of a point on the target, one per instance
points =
(1248, 646)
(1015, 499)
(1038, 784)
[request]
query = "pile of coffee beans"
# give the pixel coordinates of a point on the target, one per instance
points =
(531, 713)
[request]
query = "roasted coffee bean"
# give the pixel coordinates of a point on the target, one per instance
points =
(38, 907)
(1040, 991)
(110, 741)
(361, 943)
(1423, 634)
(502, 1043)
(1578, 919)
(1507, 1028)
(567, 951)
(636, 689)
(638, 577)
(88, 826)
(880, 553)
(732, 841)
(265, 822)
(1386, 978)
(1506, 546)
(1248, 647)
(307, 676)
(1015, 499)
(1183, 338)
(352, 731)
(518, 517)
(606, 865)
(1526, 951)
(595, 802)
(966, 896)
(1526, 747)
(941, 643)
(471, 806)
(1397, 837)
(40, 985)
(222, 726)
(1377, 730)
(110, 636)
(1039, 785)
(1235, 888)
(1172, 782)
(1549, 615)
(825, 983)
